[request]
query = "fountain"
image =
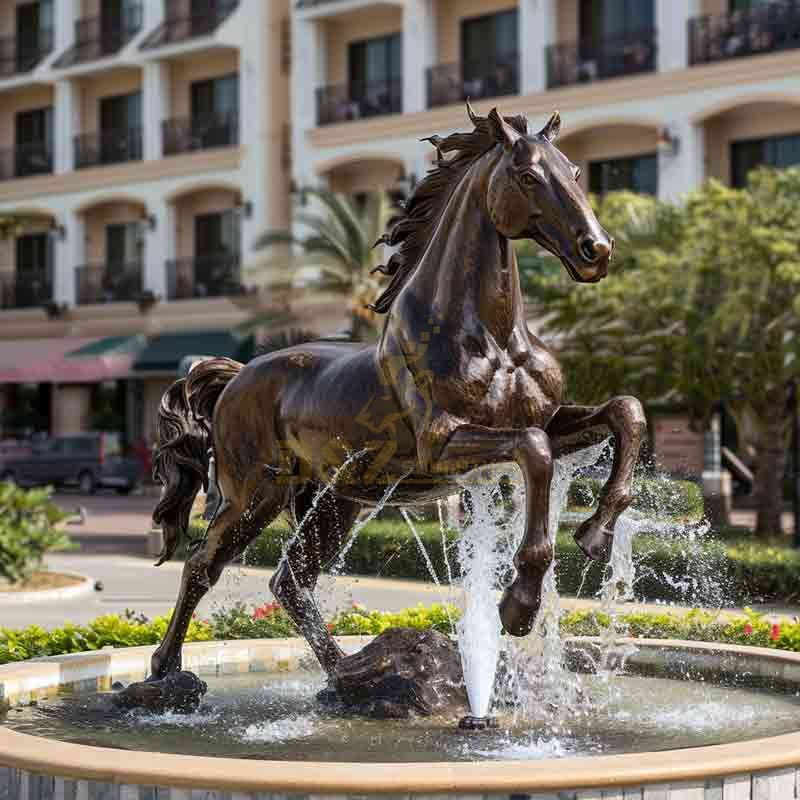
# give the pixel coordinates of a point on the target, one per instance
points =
(458, 396)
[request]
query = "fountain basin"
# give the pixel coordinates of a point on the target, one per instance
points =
(38, 768)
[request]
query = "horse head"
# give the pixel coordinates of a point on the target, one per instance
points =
(533, 193)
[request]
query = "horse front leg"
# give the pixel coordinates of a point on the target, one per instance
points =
(624, 417)
(470, 446)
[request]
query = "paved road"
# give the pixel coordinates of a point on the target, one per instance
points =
(132, 582)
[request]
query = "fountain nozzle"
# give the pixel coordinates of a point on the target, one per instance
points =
(469, 723)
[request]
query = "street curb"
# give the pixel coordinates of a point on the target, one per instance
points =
(86, 586)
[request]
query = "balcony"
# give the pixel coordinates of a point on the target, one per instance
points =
(28, 290)
(761, 29)
(108, 147)
(202, 132)
(359, 100)
(454, 83)
(192, 26)
(217, 275)
(19, 57)
(108, 283)
(570, 63)
(97, 37)
(35, 158)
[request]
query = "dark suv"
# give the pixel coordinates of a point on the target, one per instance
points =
(89, 461)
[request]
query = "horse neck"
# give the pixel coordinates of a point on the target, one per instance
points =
(469, 269)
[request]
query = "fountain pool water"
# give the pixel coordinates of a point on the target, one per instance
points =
(277, 717)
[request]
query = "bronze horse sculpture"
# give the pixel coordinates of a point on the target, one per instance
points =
(456, 381)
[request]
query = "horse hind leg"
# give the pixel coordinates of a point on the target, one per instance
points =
(237, 522)
(313, 547)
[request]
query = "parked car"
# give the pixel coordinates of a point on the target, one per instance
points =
(87, 461)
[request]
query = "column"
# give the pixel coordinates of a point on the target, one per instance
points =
(672, 25)
(682, 169)
(152, 14)
(263, 109)
(66, 123)
(69, 253)
(419, 52)
(159, 249)
(308, 73)
(66, 12)
(155, 107)
(537, 30)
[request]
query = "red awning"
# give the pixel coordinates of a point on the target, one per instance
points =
(46, 361)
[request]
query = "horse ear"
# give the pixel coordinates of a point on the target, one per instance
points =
(552, 128)
(503, 132)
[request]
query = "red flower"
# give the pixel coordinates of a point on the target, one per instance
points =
(267, 610)
(748, 629)
(775, 632)
(329, 626)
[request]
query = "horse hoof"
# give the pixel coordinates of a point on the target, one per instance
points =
(518, 609)
(594, 539)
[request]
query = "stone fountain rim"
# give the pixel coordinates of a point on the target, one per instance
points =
(40, 755)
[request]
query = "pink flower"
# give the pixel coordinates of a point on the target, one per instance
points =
(775, 632)
(748, 629)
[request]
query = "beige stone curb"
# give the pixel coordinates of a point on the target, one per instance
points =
(86, 586)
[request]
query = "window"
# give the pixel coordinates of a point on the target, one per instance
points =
(746, 5)
(487, 44)
(215, 96)
(374, 63)
(33, 133)
(216, 246)
(775, 151)
(123, 245)
(601, 20)
(121, 128)
(634, 174)
(34, 270)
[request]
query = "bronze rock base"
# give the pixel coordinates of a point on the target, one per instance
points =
(178, 691)
(402, 672)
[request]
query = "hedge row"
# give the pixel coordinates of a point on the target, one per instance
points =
(271, 622)
(682, 570)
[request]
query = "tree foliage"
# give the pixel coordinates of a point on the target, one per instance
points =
(701, 306)
(333, 246)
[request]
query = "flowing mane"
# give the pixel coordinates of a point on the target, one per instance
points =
(423, 209)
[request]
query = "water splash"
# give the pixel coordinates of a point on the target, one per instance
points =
(481, 556)
(533, 667)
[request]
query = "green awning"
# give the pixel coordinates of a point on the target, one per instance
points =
(164, 353)
(110, 346)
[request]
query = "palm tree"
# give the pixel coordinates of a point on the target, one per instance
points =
(334, 248)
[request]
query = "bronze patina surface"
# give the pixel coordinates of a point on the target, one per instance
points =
(456, 381)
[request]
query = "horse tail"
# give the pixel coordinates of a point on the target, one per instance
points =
(183, 432)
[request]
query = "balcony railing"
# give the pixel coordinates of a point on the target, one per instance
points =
(27, 290)
(215, 275)
(182, 28)
(454, 83)
(761, 29)
(108, 147)
(35, 158)
(98, 37)
(201, 132)
(569, 63)
(359, 100)
(108, 283)
(17, 57)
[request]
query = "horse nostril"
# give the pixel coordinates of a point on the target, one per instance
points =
(594, 249)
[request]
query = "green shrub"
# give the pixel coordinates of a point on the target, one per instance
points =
(653, 496)
(27, 531)
(271, 622)
(110, 630)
